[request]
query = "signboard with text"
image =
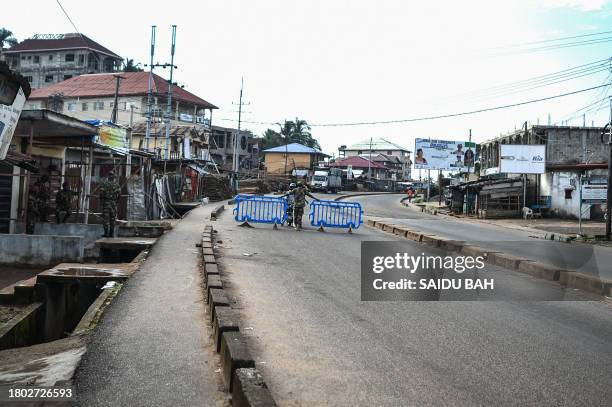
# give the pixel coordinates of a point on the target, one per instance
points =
(522, 158)
(595, 191)
(448, 155)
(113, 137)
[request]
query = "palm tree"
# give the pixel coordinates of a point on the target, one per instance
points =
(6, 38)
(130, 66)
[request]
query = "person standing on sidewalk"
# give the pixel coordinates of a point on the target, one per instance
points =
(109, 198)
(299, 202)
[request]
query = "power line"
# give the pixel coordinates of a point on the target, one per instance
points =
(71, 22)
(553, 40)
(442, 116)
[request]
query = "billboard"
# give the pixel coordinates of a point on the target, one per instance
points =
(9, 112)
(522, 158)
(113, 137)
(595, 190)
(448, 155)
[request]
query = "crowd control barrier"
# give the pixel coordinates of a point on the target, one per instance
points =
(260, 209)
(336, 214)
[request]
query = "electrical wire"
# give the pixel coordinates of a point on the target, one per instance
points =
(553, 40)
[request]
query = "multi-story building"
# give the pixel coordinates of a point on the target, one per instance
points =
(222, 148)
(397, 155)
(92, 97)
(46, 59)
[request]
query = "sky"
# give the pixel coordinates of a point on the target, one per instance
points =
(348, 61)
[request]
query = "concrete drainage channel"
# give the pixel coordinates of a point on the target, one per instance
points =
(240, 376)
(570, 279)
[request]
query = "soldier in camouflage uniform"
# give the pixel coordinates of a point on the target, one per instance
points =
(63, 198)
(299, 202)
(32, 210)
(109, 198)
(42, 197)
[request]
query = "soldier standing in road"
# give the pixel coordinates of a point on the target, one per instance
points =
(63, 198)
(109, 197)
(299, 201)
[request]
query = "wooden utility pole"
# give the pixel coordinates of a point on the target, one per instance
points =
(116, 100)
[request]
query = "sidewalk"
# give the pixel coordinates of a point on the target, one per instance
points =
(152, 346)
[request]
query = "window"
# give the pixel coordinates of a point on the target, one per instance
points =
(49, 78)
(81, 59)
(29, 78)
(29, 57)
(37, 59)
(359, 152)
(72, 107)
(85, 107)
(568, 193)
(98, 106)
(23, 58)
(389, 152)
(50, 57)
(112, 104)
(69, 58)
(67, 77)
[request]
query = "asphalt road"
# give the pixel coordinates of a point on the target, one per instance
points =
(530, 245)
(318, 344)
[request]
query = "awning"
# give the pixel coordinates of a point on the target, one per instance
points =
(21, 160)
(199, 170)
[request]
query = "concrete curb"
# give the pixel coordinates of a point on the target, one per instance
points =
(240, 376)
(342, 197)
(567, 278)
(217, 212)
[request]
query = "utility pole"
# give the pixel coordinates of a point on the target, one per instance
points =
(236, 156)
(370, 162)
(150, 92)
(169, 109)
(609, 193)
(116, 100)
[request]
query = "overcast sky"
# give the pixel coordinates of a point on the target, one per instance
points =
(340, 61)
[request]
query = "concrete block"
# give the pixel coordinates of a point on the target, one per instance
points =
(140, 231)
(399, 231)
(474, 251)
(539, 270)
(250, 389)
(451, 245)
(210, 259)
(586, 282)
(504, 260)
(431, 240)
(234, 355)
(207, 251)
(40, 250)
(211, 268)
(216, 298)
(415, 235)
(226, 320)
(213, 281)
(370, 222)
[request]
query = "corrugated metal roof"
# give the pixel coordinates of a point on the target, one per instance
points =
(68, 41)
(293, 148)
(358, 162)
(103, 85)
(377, 144)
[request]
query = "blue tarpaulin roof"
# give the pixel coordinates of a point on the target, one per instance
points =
(293, 148)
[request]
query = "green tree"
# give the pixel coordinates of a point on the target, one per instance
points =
(130, 66)
(290, 131)
(7, 38)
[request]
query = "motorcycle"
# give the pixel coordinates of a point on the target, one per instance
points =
(289, 214)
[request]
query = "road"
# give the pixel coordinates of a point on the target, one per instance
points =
(317, 343)
(530, 245)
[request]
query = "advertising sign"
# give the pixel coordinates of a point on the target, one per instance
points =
(113, 137)
(522, 158)
(9, 113)
(448, 155)
(595, 191)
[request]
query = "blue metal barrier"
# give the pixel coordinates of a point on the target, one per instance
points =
(336, 214)
(260, 209)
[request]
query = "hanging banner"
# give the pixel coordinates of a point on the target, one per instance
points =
(12, 98)
(448, 155)
(113, 137)
(522, 158)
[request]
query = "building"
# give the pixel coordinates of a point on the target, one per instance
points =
(573, 155)
(286, 158)
(359, 166)
(375, 146)
(46, 59)
(222, 148)
(92, 97)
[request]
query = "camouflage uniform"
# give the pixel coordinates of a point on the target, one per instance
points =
(299, 201)
(32, 210)
(63, 198)
(42, 197)
(109, 197)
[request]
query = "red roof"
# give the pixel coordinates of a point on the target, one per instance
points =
(357, 162)
(103, 85)
(67, 41)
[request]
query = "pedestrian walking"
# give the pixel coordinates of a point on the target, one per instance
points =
(299, 194)
(109, 198)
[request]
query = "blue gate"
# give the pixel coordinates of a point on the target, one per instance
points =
(260, 209)
(336, 214)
